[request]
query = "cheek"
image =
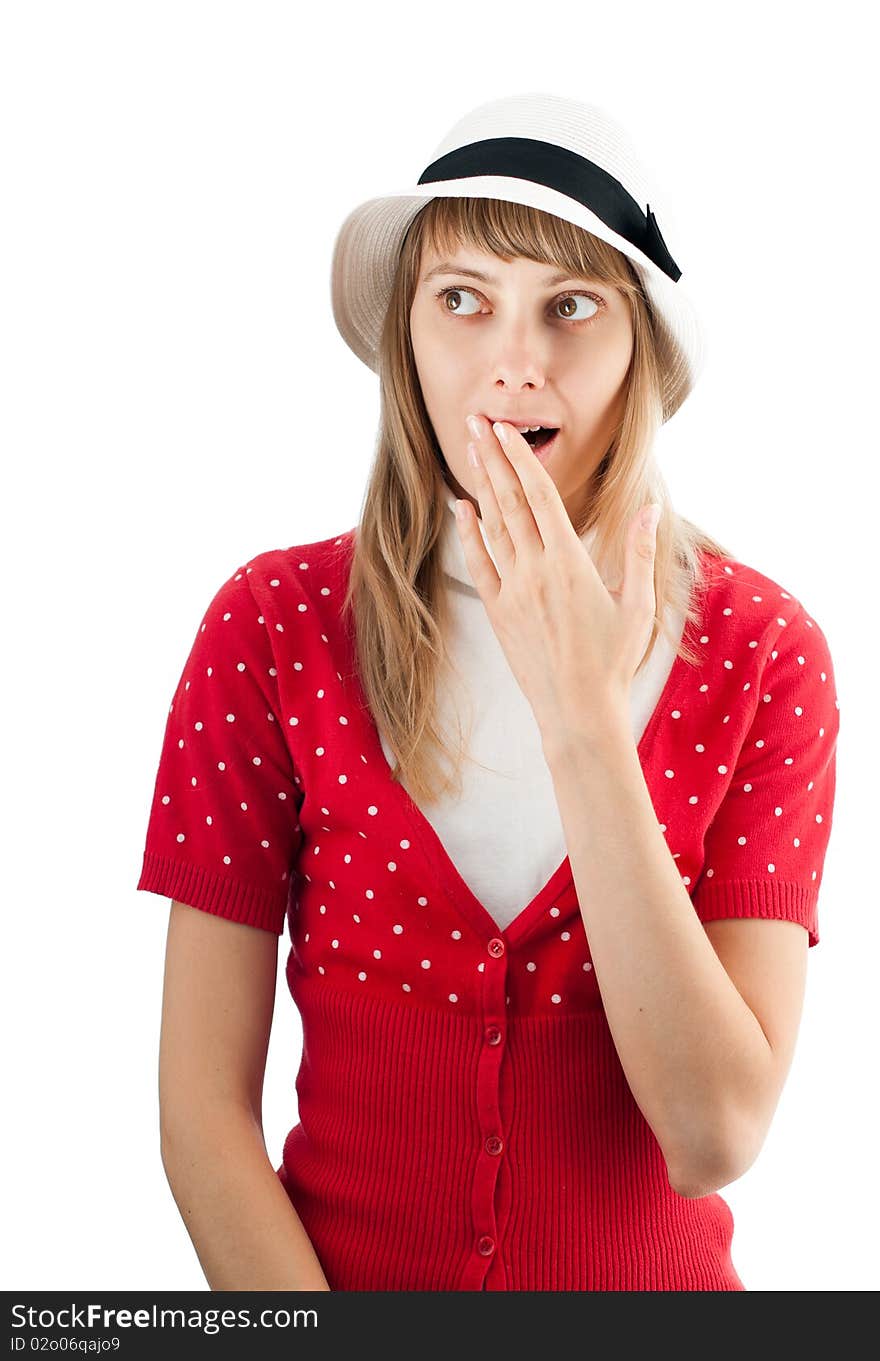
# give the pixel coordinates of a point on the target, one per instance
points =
(601, 380)
(423, 338)
(441, 371)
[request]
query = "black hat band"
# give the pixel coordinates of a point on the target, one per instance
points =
(556, 167)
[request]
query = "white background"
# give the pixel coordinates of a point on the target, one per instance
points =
(172, 177)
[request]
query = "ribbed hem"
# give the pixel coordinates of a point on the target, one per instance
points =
(768, 898)
(216, 893)
(429, 1157)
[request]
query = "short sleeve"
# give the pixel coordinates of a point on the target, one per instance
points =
(764, 850)
(223, 832)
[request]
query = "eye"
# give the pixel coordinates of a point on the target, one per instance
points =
(459, 291)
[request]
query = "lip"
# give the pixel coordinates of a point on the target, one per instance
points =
(509, 420)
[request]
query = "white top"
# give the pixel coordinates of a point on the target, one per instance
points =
(504, 834)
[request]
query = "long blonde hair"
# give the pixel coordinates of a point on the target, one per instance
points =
(396, 594)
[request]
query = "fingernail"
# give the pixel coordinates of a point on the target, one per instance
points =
(473, 456)
(650, 517)
(474, 426)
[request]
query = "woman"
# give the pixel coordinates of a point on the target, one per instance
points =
(549, 996)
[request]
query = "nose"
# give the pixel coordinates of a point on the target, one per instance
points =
(519, 358)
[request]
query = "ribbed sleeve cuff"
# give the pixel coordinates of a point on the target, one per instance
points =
(766, 898)
(225, 897)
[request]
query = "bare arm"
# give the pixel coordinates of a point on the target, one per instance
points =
(690, 1045)
(217, 1006)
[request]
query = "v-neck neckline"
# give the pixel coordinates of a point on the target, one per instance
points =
(442, 867)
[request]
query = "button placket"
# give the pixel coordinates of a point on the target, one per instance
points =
(489, 1159)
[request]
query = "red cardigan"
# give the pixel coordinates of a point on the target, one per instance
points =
(464, 1120)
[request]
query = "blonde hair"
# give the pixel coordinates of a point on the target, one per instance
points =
(396, 592)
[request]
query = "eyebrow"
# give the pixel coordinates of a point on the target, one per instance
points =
(450, 267)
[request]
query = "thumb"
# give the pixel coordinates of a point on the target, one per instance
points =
(638, 586)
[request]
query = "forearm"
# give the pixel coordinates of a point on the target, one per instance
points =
(245, 1231)
(689, 1044)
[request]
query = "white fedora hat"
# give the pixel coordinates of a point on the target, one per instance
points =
(546, 151)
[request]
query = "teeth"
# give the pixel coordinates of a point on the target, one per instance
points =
(522, 428)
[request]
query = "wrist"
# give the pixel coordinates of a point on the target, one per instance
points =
(593, 728)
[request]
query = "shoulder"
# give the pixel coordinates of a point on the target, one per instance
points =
(274, 585)
(745, 611)
(300, 566)
(293, 592)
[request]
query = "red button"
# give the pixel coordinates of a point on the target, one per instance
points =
(493, 1035)
(494, 1144)
(496, 947)
(486, 1247)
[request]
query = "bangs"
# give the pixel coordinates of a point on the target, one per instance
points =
(505, 229)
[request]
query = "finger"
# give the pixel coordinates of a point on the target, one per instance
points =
(493, 522)
(482, 569)
(533, 508)
(637, 593)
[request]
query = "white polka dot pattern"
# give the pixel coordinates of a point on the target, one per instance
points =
(765, 846)
(272, 768)
(224, 829)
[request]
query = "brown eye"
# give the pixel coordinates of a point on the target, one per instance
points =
(447, 293)
(572, 299)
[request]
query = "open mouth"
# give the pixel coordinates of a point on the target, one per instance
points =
(538, 438)
(542, 440)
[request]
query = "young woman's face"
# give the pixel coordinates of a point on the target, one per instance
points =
(507, 341)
